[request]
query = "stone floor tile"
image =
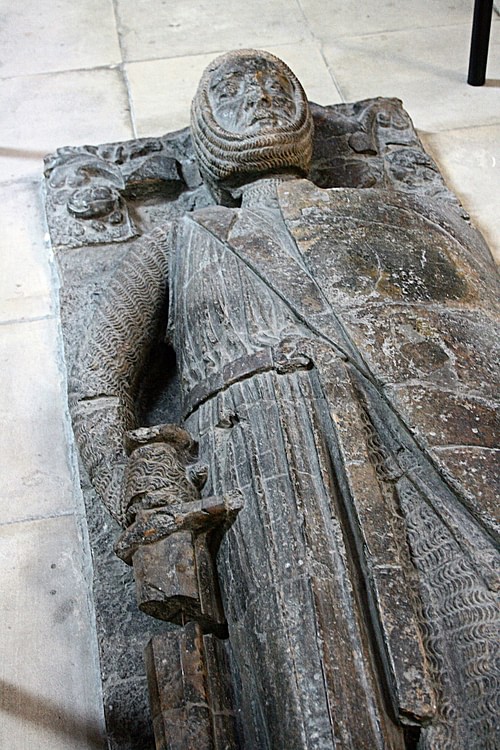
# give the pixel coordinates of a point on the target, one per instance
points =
(25, 277)
(49, 686)
(470, 162)
(339, 18)
(36, 477)
(38, 36)
(156, 29)
(307, 63)
(426, 68)
(41, 113)
(161, 90)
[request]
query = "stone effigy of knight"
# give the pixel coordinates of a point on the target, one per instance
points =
(336, 358)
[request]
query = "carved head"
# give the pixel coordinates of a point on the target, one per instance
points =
(250, 116)
(93, 202)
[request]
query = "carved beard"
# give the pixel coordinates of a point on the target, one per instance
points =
(227, 158)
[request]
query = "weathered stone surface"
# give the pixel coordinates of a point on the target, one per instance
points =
(128, 717)
(310, 323)
(123, 632)
(191, 700)
(420, 303)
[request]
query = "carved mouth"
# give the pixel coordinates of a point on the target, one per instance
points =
(267, 118)
(263, 114)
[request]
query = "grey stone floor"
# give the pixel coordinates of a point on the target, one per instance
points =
(101, 70)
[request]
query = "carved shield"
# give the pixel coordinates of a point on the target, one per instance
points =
(415, 289)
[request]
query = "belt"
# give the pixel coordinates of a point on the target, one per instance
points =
(283, 358)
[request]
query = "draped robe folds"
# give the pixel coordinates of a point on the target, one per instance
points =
(339, 576)
(284, 569)
(334, 352)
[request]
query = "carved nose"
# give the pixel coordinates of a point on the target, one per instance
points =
(265, 97)
(260, 96)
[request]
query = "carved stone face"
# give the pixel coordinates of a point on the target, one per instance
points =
(249, 116)
(93, 202)
(252, 98)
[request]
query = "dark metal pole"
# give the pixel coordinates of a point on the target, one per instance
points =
(480, 38)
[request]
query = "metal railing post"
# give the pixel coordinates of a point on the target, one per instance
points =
(480, 38)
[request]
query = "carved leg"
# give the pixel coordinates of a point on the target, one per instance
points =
(295, 625)
(189, 689)
(170, 542)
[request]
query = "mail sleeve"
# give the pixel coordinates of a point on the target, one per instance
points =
(111, 359)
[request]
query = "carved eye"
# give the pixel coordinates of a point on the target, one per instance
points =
(226, 90)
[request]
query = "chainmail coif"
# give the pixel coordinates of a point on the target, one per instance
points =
(222, 155)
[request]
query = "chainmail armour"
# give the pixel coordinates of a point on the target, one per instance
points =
(222, 155)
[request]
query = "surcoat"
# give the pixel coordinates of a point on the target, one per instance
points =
(337, 359)
(336, 353)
